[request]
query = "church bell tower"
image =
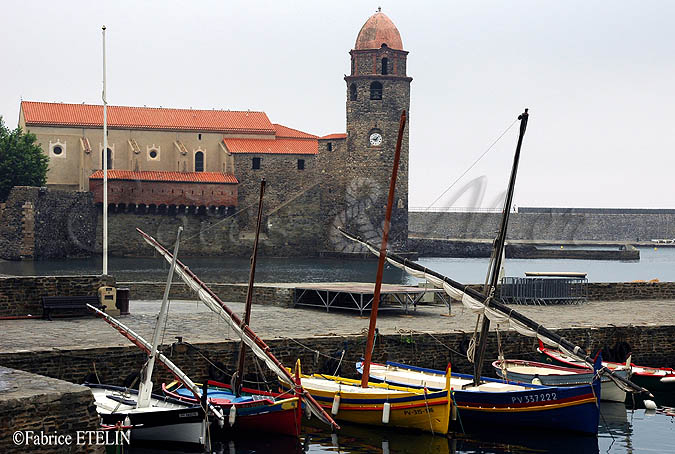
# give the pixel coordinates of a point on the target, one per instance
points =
(378, 90)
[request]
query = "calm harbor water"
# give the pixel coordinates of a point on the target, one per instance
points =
(622, 431)
(653, 264)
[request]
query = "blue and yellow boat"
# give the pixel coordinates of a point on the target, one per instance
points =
(500, 402)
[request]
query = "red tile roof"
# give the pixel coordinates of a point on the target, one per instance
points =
(339, 135)
(275, 146)
(180, 177)
(83, 115)
(285, 131)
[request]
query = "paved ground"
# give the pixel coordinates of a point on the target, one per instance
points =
(195, 323)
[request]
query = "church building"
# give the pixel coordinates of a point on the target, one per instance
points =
(164, 161)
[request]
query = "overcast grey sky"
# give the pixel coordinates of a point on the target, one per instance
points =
(597, 77)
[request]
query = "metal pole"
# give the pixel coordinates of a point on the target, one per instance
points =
(380, 262)
(104, 158)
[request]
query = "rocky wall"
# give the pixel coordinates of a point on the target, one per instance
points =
(44, 405)
(21, 295)
(64, 223)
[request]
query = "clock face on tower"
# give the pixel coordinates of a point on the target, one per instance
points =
(376, 139)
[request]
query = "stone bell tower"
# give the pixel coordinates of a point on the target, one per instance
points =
(378, 90)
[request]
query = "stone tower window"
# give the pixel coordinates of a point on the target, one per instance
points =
(199, 136)
(376, 90)
(199, 161)
(352, 92)
(255, 163)
(329, 146)
(153, 153)
(301, 164)
(385, 66)
(57, 150)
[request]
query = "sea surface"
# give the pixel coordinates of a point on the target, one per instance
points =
(622, 431)
(654, 263)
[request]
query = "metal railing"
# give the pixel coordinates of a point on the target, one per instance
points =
(538, 290)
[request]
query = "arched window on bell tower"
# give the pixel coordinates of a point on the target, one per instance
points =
(375, 90)
(353, 96)
(385, 66)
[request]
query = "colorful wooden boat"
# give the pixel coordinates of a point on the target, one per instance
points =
(552, 375)
(165, 420)
(504, 403)
(252, 411)
(655, 379)
(380, 404)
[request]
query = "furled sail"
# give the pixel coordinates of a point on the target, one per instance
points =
(252, 341)
(497, 311)
(145, 345)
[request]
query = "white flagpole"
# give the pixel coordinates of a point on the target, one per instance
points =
(104, 158)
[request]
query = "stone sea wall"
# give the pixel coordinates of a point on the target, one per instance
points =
(30, 402)
(21, 295)
(654, 346)
(571, 226)
(270, 295)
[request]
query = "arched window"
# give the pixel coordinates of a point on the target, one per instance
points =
(385, 66)
(376, 90)
(199, 161)
(352, 92)
(110, 160)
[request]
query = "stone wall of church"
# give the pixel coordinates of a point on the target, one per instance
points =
(285, 183)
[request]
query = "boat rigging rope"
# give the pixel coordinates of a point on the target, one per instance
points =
(472, 165)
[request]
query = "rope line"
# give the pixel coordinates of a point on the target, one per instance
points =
(472, 165)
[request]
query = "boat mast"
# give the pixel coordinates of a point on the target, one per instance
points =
(498, 254)
(383, 250)
(239, 377)
(499, 306)
(145, 388)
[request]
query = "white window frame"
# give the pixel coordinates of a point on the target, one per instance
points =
(53, 145)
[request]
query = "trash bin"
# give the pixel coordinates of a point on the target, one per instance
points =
(123, 300)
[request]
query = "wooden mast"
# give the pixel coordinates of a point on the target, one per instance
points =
(383, 250)
(239, 378)
(498, 253)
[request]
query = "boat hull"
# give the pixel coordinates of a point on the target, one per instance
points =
(514, 405)
(659, 381)
(166, 420)
(551, 375)
(256, 411)
(408, 408)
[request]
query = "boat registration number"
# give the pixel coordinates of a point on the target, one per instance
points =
(527, 399)
(417, 411)
(188, 415)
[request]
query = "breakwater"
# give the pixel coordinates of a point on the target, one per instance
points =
(599, 225)
(439, 247)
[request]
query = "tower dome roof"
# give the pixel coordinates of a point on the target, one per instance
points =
(378, 30)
